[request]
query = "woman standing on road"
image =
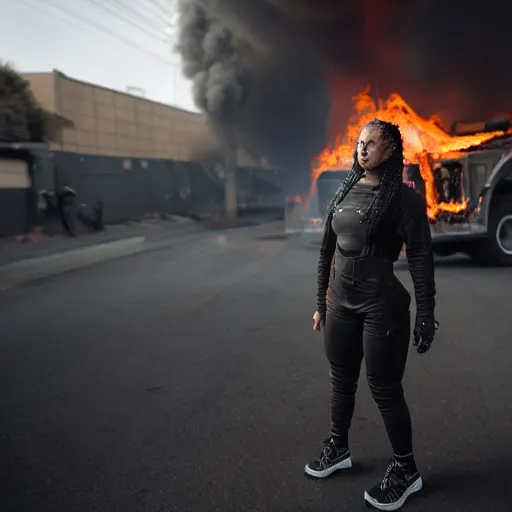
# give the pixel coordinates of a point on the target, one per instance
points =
(363, 309)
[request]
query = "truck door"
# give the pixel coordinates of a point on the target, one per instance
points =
(479, 166)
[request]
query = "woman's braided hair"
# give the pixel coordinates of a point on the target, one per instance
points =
(391, 180)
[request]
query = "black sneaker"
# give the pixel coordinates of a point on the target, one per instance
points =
(396, 486)
(332, 458)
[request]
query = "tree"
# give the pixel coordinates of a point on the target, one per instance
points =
(21, 118)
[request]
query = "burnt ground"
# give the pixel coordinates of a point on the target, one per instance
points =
(189, 379)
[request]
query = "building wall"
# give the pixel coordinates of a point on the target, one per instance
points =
(14, 195)
(43, 87)
(100, 121)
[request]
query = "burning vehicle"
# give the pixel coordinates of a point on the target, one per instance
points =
(465, 177)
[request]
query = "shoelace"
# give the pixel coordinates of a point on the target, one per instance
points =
(328, 449)
(394, 477)
(385, 481)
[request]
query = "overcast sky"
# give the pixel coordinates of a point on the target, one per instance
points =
(113, 43)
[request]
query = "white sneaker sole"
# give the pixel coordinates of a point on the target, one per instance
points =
(414, 487)
(344, 464)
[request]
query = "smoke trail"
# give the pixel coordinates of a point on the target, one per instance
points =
(222, 84)
(261, 65)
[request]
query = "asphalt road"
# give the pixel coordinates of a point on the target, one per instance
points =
(189, 379)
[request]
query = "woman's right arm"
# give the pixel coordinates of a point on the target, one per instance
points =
(324, 265)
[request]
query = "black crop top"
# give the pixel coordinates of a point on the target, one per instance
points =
(407, 223)
(351, 233)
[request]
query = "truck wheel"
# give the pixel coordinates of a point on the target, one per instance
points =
(496, 248)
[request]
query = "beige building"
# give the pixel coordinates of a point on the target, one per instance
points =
(90, 119)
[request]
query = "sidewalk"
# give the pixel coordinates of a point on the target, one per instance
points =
(38, 256)
(12, 250)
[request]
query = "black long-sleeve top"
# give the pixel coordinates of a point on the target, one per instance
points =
(407, 223)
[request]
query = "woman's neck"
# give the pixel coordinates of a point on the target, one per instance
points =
(374, 176)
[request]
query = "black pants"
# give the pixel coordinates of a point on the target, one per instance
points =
(349, 336)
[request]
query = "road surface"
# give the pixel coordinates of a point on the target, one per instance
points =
(188, 379)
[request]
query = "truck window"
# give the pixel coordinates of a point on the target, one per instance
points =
(448, 182)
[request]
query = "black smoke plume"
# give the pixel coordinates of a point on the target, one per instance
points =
(284, 72)
(222, 83)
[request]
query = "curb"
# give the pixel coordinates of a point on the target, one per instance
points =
(33, 269)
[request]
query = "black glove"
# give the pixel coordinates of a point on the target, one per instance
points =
(424, 330)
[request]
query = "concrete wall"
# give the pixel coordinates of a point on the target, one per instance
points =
(130, 188)
(97, 120)
(15, 184)
(43, 87)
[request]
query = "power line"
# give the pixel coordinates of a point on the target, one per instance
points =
(161, 8)
(87, 21)
(127, 20)
(138, 15)
(156, 10)
(50, 14)
(77, 16)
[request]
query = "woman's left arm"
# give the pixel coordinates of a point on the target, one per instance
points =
(418, 248)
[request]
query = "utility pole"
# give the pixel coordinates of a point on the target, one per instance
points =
(230, 186)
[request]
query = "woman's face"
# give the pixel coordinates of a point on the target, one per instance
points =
(372, 148)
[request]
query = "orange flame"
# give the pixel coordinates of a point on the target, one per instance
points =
(422, 139)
